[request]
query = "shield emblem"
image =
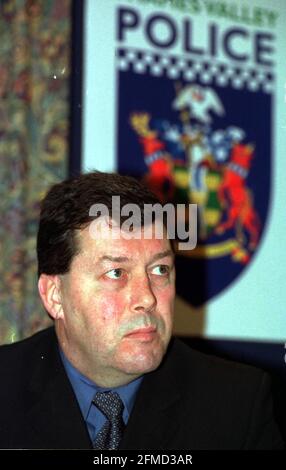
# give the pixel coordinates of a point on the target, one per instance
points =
(198, 135)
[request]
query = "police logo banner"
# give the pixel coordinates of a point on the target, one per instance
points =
(196, 91)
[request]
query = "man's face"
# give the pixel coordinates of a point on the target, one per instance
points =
(117, 306)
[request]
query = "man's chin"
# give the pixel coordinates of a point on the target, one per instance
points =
(143, 363)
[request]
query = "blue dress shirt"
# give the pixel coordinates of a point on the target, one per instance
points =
(85, 390)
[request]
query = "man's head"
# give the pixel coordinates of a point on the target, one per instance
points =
(112, 300)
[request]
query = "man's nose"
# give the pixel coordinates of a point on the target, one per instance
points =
(143, 298)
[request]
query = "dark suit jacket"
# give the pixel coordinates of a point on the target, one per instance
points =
(192, 401)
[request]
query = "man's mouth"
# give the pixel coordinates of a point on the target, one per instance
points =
(144, 334)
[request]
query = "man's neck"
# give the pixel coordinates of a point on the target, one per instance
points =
(107, 378)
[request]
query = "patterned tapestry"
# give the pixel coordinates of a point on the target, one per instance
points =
(34, 118)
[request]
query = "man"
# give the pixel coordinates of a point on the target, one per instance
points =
(108, 375)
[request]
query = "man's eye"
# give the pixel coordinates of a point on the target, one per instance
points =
(115, 273)
(161, 270)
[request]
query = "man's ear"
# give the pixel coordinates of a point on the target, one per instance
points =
(49, 290)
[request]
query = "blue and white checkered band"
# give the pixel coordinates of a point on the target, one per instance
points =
(154, 156)
(239, 170)
(188, 69)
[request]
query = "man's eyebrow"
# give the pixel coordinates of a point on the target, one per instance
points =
(116, 259)
(125, 259)
(161, 255)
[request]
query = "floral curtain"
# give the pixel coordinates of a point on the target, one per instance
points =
(34, 123)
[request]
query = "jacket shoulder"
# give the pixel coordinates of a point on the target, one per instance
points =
(39, 340)
(235, 395)
(17, 360)
(193, 363)
(215, 382)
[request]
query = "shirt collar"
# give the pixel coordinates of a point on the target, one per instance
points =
(85, 389)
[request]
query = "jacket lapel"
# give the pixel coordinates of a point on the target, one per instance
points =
(57, 417)
(152, 424)
(53, 419)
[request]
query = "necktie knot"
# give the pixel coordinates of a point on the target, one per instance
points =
(110, 404)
